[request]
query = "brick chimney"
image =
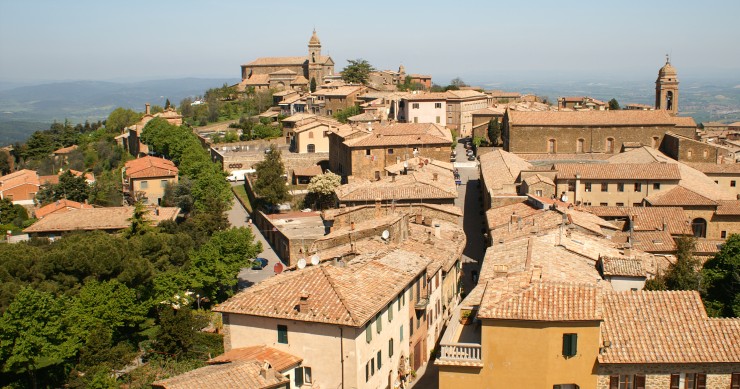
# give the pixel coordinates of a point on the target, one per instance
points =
(147, 109)
(434, 176)
(303, 303)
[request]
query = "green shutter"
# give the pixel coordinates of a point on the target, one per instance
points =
(298, 376)
(282, 334)
(573, 344)
(379, 321)
(570, 345)
(390, 313)
(390, 348)
(380, 359)
(369, 332)
(401, 333)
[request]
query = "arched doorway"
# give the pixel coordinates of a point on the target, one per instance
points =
(699, 227)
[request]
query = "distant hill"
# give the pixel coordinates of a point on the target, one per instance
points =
(24, 108)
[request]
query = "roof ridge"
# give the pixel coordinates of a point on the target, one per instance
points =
(339, 295)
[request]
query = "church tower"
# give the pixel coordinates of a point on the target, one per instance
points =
(314, 59)
(666, 88)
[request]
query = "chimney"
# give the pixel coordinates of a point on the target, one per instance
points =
(147, 109)
(665, 225)
(437, 230)
(303, 303)
(627, 250)
(352, 226)
(393, 179)
(263, 369)
(434, 177)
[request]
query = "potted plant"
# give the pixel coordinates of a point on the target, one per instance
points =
(466, 316)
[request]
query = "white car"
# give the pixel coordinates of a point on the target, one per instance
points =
(238, 175)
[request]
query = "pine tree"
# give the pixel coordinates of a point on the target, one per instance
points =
(270, 184)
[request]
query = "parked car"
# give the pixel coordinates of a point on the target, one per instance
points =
(259, 263)
(471, 157)
(238, 175)
(453, 158)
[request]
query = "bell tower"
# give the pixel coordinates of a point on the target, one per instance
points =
(314, 59)
(666, 88)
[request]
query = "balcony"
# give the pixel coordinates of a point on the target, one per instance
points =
(421, 304)
(461, 344)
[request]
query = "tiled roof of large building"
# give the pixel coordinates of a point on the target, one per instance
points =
(538, 178)
(545, 301)
(500, 168)
(628, 267)
(618, 171)
(715, 168)
(277, 61)
(679, 196)
(413, 186)
(149, 166)
(708, 246)
(431, 96)
(728, 207)
(349, 295)
(465, 94)
(341, 91)
(62, 205)
(665, 327)
(241, 374)
(110, 218)
(511, 213)
(690, 177)
(649, 218)
(598, 118)
(650, 241)
(401, 134)
(278, 360)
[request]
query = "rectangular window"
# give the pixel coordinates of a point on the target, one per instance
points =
(163, 183)
(369, 332)
(571, 186)
(310, 135)
(282, 334)
(604, 204)
(298, 376)
(732, 183)
(367, 371)
(587, 187)
(570, 345)
(380, 360)
(399, 302)
(367, 152)
(636, 204)
(620, 187)
(307, 375)
(390, 151)
(415, 105)
(638, 187)
(656, 185)
(411, 327)
(372, 366)
(438, 120)
(675, 381)
(604, 187)
(379, 322)
(390, 313)
(437, 105)
(390, 348)
(416, 119)
(403, 298)
(636, 381)
(620, 204)
(144, 184)
(735, 381)
(400, 332)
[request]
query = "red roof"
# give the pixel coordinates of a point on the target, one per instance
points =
(150, 167)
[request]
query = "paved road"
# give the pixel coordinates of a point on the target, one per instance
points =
(247, 277)
(470, 201)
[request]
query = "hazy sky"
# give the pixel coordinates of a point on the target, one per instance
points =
(476, 40)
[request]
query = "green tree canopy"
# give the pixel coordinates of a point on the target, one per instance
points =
(121, 118)
(494, 131)
(684, 273)
(270, 184)
(357, 71)
(321, 190)
(721, 277)
(313, 85)
(613, 104)
(343, 114)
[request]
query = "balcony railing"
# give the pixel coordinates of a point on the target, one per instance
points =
(460, 352)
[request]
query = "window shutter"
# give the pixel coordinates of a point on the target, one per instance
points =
(380, 359)
(735, 381)
(566, 345)
(298, 376)
(390, 348)
(379, 322)
(282, 334)
(701, 381)
(639, 381)
(390, 313)
(573, 344)
(570, 345)
(614, 382)
(369, 332)
(675, 380)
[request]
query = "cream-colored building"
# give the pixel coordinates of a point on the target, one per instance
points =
(460, 107)
(423, 108)
(308, 133)
(147, 178)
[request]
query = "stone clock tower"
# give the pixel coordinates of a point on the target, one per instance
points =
(666, 88)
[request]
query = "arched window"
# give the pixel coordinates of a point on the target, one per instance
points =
(669, 101)
(655, 142)
(689, 154)
(705, 153)
(579, 146)
(551, 146)
(609, 145)
(699, 227)
(311, 148)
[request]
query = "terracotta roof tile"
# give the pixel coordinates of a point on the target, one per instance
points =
(500, 168)
(652, 241)
(628, 267)
(413, 186)
(715, 168)
(546, 301)
(665, 327)
(241, 374)
(149, 166)
(278, 360)
(65, 150)
(62, 205)
(308, 171)
(110, 218)
(728, 207)
(708, 246)
(679, 196)
(20, 177)
(616, 171)
(402, 134)
(649, 218)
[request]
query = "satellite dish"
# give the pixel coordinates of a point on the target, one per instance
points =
(385, 235)
(315, 259)
(302, 263)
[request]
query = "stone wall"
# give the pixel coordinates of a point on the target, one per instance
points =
(658, 376)
(239, 160)
(690, 150)
(342, 217)
(534, 139)
(366, 166)
(397, 229)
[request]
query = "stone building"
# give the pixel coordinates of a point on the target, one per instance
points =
(328, 101)
(288, 72)
(558, 132)
(460, 107)
(147, 178)
(366, 152)
(666, 89)
(687, 149)
(423, 108)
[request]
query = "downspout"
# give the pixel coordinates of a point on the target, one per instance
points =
(341, 351)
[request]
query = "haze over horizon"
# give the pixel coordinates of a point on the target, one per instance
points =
(485, 42)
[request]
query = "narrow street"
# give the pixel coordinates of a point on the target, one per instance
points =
(247, 277)
(469, 200)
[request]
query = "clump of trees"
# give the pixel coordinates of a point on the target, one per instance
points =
(270, 183)
(357, 71)
(343, 114)
(321, 190)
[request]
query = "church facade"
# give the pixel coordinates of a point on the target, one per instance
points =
(281, 73)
